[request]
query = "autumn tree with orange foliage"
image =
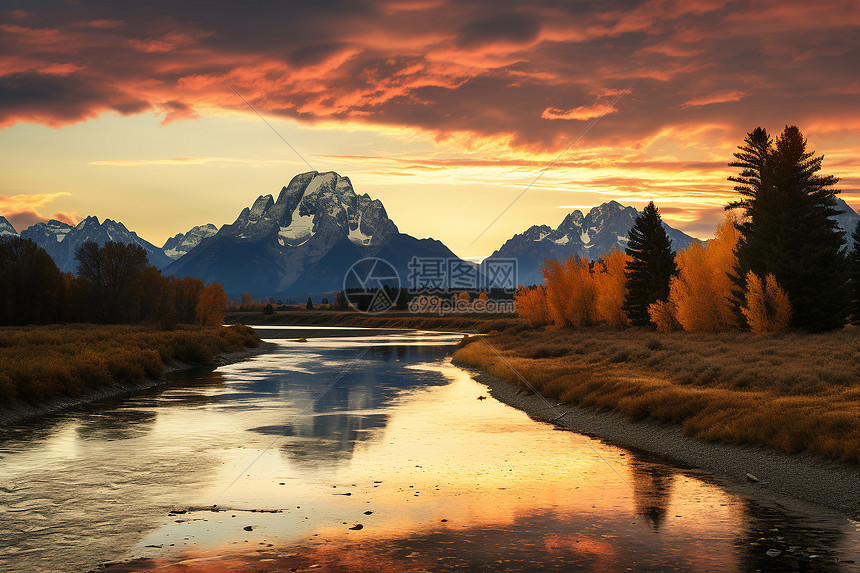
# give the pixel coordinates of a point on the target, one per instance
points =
(211, 306)
(571, 293)
(700, 295)
(531, 305)
(578, 293)
(767, 308)
(611, 285)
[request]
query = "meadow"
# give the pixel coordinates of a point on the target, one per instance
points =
(38, 363)
(792, 391)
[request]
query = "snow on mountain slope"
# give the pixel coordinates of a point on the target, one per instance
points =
(589, 236)
(6, 228)
(317, 220)
(179, 244)
(847, 220)
(61, 240)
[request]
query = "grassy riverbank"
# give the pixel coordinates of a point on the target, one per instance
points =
(476, 322)
(38, 364)
(794, 392)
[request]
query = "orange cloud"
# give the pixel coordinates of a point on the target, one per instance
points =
(721, 97)
(583, 112)
(21, 210)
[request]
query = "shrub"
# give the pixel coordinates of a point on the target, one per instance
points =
(40, 363)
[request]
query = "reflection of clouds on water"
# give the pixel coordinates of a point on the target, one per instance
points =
(342, 397)
(323, 440)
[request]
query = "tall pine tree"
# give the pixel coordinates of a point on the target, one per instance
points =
(753, 185)
(651, 265)
(855, 275)
(789, 229)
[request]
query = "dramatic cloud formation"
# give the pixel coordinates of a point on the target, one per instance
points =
(522, 79)
(21, 211)
(504, 71)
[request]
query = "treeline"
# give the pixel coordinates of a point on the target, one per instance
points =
(115, 284)
(781, 264)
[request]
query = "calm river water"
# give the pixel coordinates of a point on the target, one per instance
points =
(368, 453)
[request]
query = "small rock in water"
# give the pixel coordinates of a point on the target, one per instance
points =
(482, 397)
(357, 526)
(752, 478)
(773, 552)
(368, 512)
(248, 528)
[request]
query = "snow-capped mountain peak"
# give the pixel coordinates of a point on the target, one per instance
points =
(304, 241)
(6, 228)
(179, 244)
(847, 220)
(590, 236)
(314, 203)
(61, 240)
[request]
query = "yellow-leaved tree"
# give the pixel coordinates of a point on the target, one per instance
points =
(663, 314)
(211, 305)
(611, 285)
(531, 305)
(571, 292)
(699, 295)
(767, 307)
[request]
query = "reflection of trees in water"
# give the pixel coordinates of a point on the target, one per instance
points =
(119, 424)
(652, 489)
(796, 538)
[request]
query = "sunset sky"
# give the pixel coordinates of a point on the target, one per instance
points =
(444, 111)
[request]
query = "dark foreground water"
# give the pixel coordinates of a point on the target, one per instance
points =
(368, 454)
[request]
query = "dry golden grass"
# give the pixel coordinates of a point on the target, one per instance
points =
(40, 363)
(792, 391)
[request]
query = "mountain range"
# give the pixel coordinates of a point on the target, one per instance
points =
(61, 240)
(303, 241)
(587, 236)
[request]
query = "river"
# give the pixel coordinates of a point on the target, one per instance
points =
(368, 452)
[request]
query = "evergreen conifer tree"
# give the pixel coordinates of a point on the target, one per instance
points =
(854, 259)
(752, 184)
(651, 265)
(789, 230)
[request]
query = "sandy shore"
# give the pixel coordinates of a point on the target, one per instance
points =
(23, 412)
(754, 471)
